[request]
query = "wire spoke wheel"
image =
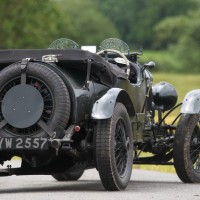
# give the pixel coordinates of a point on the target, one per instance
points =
(48, 105)
(121, 147)
(114, 149)
(53, 95)
(187, 148)
(44, 92)
(195, 149)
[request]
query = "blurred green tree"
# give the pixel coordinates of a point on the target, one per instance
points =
(180, 35)
(31, 24)
(90, 26)
(169, 30)
(188, 46)
(35, 24)
(135, 19)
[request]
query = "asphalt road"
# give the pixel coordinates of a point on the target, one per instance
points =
(143, 185)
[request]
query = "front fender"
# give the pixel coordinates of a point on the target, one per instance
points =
(103, 107)
(191, 103)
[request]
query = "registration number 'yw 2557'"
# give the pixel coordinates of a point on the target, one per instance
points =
(23, 143)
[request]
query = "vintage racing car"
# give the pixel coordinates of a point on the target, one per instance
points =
(64, 110)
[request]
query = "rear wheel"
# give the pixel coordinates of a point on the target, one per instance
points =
(72, 174)
(114, 149)
(187, 148)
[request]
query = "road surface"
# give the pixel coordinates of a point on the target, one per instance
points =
(145, 185)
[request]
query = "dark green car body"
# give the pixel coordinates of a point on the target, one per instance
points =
(67, 110)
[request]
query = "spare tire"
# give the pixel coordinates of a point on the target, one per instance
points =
(55, 109)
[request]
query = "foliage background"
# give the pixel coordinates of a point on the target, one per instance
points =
(168, 31)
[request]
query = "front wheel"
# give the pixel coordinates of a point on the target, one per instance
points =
(187, 148)
(114, 149)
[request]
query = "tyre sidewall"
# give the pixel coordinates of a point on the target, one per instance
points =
(182, 160)
(71, 174)
(120, 112)
(192, 174)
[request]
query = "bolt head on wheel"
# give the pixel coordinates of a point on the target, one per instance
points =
(22, 106)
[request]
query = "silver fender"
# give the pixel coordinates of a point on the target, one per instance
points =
(191, 103)
(103, 107)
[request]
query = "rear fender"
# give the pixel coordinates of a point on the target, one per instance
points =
(191, 103)
(103, 107)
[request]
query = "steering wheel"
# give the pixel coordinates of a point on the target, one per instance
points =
(127, 62)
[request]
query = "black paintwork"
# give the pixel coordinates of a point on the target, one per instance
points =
(94, 87)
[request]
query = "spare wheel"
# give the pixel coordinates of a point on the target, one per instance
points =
(29, 98)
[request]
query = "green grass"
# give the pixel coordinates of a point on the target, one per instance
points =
(160, 168)
(183, 84)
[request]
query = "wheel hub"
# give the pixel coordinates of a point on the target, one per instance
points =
(22, 106)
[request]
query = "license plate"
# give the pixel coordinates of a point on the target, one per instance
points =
(27, 143)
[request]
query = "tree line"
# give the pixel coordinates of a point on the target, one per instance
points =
(151, 24)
